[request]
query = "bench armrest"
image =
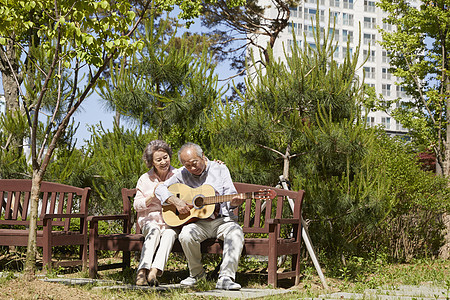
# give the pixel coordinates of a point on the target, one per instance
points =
(54, 216)
(107, 218)
(283, 221)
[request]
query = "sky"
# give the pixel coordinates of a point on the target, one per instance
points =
(92, 111)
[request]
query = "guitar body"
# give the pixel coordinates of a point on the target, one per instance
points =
(188, 195)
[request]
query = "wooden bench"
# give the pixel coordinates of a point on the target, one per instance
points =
(268, 232)
(62, 217)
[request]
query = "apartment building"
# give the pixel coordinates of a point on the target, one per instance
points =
(349, 16)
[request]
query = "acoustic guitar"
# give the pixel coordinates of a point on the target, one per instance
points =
(203, 198)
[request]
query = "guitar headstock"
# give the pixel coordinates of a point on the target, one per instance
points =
(264, 194)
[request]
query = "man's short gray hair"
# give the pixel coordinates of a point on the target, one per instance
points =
(196, 147)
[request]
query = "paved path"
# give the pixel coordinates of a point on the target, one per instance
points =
(403, 292)
(244, 293)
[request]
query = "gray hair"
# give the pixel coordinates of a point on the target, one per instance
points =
(196, 147)
(152, 147)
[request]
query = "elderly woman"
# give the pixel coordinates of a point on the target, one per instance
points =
(157, 157)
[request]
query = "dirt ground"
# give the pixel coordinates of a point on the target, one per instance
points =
(36, 289)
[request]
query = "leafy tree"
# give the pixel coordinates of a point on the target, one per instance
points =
(168, 85)
(75, 36)
(419, 53)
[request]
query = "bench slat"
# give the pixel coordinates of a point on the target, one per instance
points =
(26, 203)
(16, 206)
(8, 206)
(68, 209)
(2, 202)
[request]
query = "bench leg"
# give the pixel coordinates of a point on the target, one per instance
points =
(47, 244)
(93, 258)
(126, 259)
(272, 266)
(47, 257)
(93, 262)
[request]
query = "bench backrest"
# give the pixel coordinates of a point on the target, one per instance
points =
(252, 215)
(55, 198)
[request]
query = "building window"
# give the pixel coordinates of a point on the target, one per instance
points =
(369, 72)
(334, 3)
(344, 52)
(386, 89)
(336, 52)
(347, 19)
(401, 93)
(336, 34)
(293, 12)
(310, 31)
(348, 4)
(334, 17)
(387, 27)
(291, 45)
(370, 23)
(385, 57)
(295, 28)
(310, 13)
(385, 74)
(369, 6)
(322, 2)
(370, 55)
(386, 122)
(369, 39)
(371, 121)
(399, 126)
(347, 35)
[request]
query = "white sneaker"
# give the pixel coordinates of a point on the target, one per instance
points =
(226, 283)
(192, 280)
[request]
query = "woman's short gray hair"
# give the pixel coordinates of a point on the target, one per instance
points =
(196, 147)
(152, 147)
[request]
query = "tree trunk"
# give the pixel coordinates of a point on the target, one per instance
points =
(117, 118)
(30, 263)
(8, 60)
(286, 158)
(444, 252)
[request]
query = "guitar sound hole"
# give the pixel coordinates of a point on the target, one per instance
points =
(198, 202)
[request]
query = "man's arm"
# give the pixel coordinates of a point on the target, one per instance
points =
(182, 207)
(165, 196)
(229, 189)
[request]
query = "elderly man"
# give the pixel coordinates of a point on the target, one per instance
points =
(197, 171)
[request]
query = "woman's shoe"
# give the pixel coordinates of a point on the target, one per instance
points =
(141, 277)
(151, 277)
(153, 282)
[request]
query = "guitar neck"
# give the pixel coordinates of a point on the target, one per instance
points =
(224, 198)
